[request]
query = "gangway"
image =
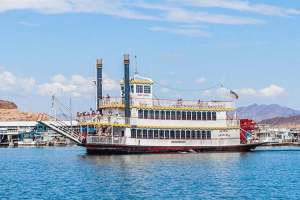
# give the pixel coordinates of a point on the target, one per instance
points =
(60, 127)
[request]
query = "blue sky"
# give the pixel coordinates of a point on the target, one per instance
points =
(51, 46)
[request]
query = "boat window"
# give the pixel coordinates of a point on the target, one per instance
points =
(177, 134)
(155, 133)
(151, 113)
(198, 134)
(144, 133)
(132, 88)
(145, 114)
(188, 115)
(178, 113)
(156, 114)
(140, 114)
(168, 115)
(203, 115)
(147, 89)
(139, 88)
(214, 116)
(198, 115)
(188, 134)
(150, 134)
(161, 134)
(172, 134)
(173, 115)
(123, 89)
(162, 114)
(183, 115)
(193, 134)
(133, 133)
(182, 134)
(138, 133)
(203, 134)
(208, 115)
(194, 115)
(208, 134)
(167, 134)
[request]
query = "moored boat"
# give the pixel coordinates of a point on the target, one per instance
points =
(137, 122)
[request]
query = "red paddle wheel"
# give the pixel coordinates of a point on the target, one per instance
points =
(247, 127)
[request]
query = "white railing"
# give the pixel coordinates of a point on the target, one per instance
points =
(169, 103)
(233, 123)
(105, 140)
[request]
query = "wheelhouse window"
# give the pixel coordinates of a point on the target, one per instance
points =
(138, 133)
(188, 134)
(156, 114)
(151, 113)
(131, 88)
(198, 115)
(178, 114)
(172, 134)
(194, 115)
(162, 114)
(173, 115)
(155, 133)
(168, 115)
(177, 134)
(188, 115)
(167, 132)
(183, 115)
(139, 88)
(182, 134)
(208, 115)
(203, 134)
(198, 134)
(203, 115)
(133, 133)
(208, 134)
(193, 134)
(161, 134)
(150, 134)
(145, 114)
(214, 116)
(144, 133)
(140, 114)
(147, 89)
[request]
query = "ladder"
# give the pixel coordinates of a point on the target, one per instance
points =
(60, 127)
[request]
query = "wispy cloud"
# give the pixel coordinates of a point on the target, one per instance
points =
(26, 23)
(240, 6)
(189, 32)
(185, 11)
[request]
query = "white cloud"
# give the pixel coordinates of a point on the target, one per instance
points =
(77, 86)
(172, 73)
(246, 91)
(178, 82)
(165, 90)
(176, 95)
(163, 82)
(200, 80)
(189, 32)
(271, 91)
(207, 93)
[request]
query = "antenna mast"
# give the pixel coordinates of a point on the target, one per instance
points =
(136, 72)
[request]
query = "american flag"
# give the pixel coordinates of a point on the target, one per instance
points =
(233, 95)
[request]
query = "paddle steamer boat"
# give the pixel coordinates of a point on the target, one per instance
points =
(137, 122)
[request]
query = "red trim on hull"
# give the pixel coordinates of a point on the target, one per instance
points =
(114, 149)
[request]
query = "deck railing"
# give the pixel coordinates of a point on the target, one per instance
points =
(105, 140)
(169, 103)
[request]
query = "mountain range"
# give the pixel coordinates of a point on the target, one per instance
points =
(262, 112)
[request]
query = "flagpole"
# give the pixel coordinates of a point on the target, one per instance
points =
(222, 87)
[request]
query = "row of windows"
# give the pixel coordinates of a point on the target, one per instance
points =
(176, 115)
(171, 134)
(139, 89)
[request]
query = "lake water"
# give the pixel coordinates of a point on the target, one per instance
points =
(68, 173)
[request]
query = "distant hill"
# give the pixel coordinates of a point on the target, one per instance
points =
(7, 105)
(261, 112)
(293, 121)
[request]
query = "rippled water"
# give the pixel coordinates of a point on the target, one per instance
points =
(68, 173)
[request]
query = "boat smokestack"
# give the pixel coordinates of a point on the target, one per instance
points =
(127, 91)
(99, 83)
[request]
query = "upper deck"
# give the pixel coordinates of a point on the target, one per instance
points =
(157, 104)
